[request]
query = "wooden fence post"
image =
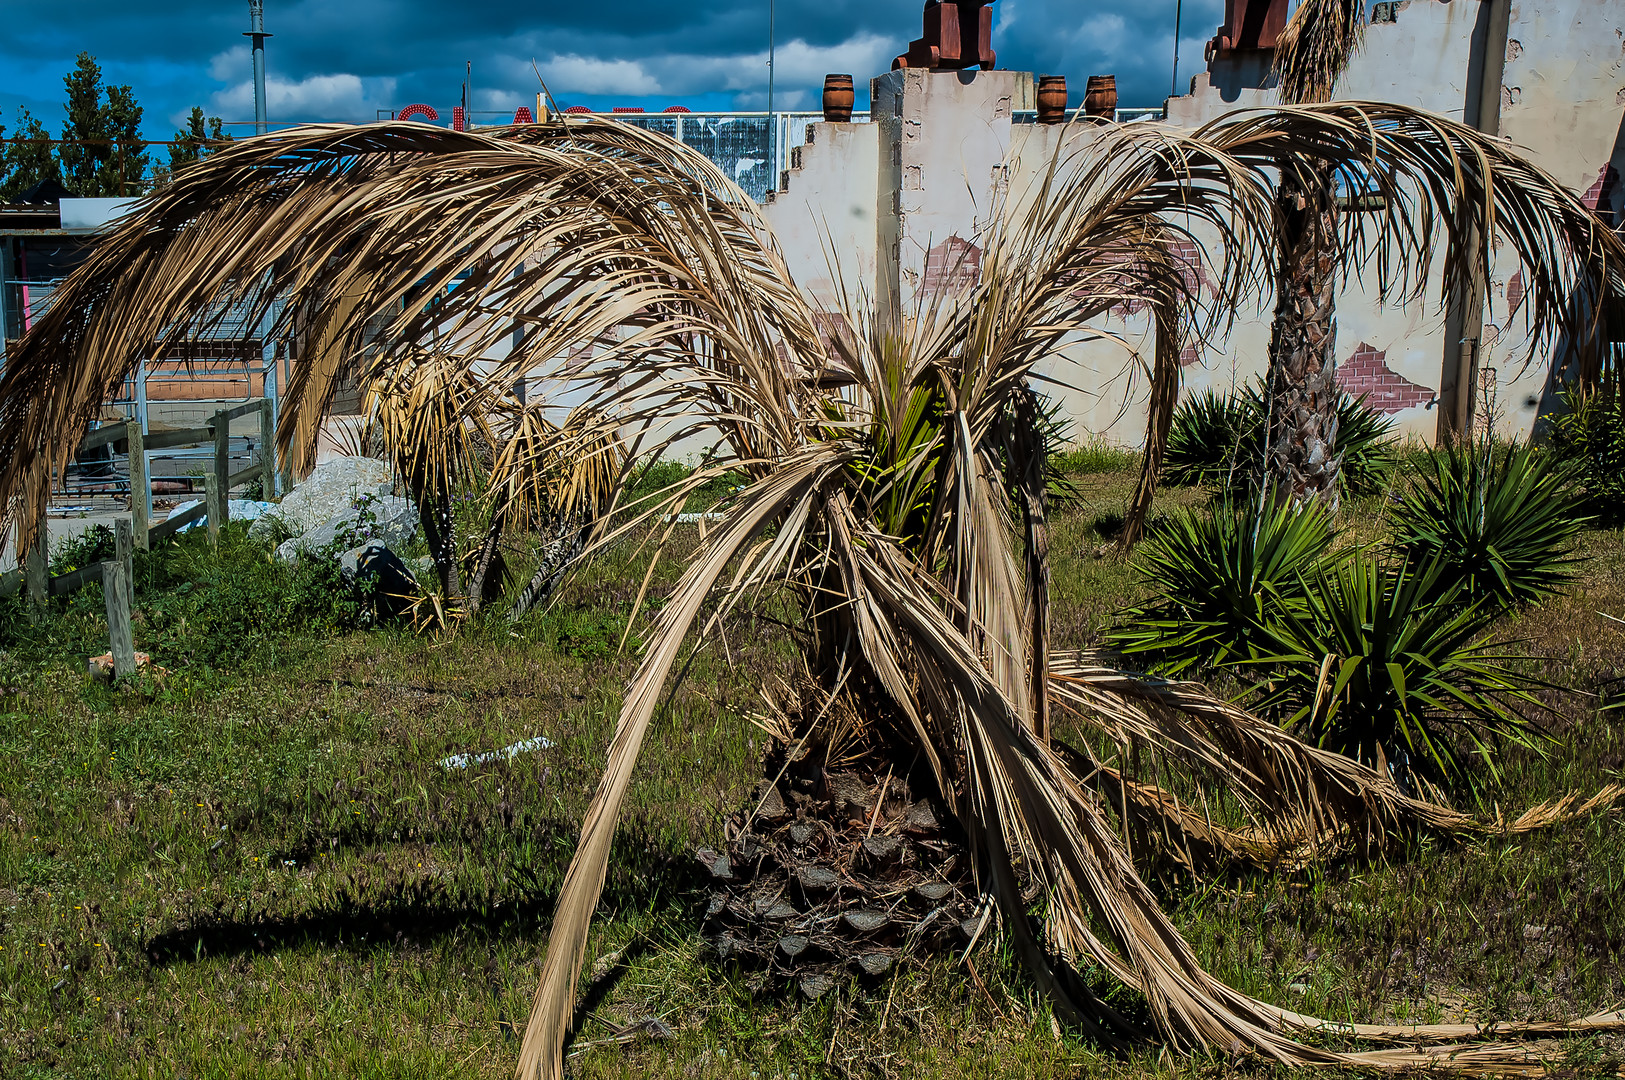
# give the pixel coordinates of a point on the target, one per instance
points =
(214, 506)
(36, 573)
(222, 451)
(35, 576)
(267, 452)
(124, 552)
(121, 638)
(139, 489)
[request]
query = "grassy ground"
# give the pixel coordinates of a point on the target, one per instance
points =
(260, 867)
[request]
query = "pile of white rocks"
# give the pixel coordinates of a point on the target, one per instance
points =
(332, 504)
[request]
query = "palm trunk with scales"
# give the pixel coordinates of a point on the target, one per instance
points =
(1301, 461)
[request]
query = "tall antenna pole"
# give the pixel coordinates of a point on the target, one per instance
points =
(1179, 9)
(256, 30)
(772, 127)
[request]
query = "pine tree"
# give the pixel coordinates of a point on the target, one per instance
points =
(127, 163)
(102, 155)
(85, 153)
(201, 137)
(24, 164)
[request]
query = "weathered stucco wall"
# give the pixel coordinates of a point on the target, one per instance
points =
(946, 151)
(825, 214)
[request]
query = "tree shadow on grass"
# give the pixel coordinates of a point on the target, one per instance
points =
(417, 911)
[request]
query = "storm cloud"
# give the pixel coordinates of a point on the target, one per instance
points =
(335, 60)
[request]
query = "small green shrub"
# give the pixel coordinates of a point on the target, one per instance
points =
(1216, 441)
(1381, 655)
(1590, 436)
(231, 608)
(95, 544)
(1222, 578)
(1500, 522)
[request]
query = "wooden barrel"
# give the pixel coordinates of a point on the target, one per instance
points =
(1051, 99)
(1101, 99)
(838, 98)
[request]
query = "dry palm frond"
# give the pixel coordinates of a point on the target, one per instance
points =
(906, 512)
(1313, 49)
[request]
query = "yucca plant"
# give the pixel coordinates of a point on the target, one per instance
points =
(901, 508)
(1588, 433)
(1499, 521)
(1214, 441)
(1383, 661)
(1218, 441)
(1223, 579)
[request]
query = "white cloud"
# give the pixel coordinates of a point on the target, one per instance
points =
(795, 63)
(317, 97)
(589, 75)
(798, 66)
(229, 66)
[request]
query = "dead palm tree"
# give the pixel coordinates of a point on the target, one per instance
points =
(894, 482)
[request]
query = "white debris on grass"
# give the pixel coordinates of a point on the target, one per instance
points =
(236, 510)
(508, 753)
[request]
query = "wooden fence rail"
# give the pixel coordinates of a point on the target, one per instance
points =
(117, 575)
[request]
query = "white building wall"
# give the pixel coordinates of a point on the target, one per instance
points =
(944, 145)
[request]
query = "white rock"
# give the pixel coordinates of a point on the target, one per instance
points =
(325, 494)
(395, 523)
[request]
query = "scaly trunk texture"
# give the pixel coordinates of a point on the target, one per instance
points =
(1302, 462)
(836, 869)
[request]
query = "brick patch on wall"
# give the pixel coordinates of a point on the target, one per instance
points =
(1515, 292)
(1599, 197)
(952, 266)
(1386, 390)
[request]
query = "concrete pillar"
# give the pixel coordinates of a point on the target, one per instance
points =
(937, 193)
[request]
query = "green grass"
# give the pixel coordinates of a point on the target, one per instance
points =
(257, 867)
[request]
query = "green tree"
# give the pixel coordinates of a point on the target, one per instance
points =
(86, 150)
(201, 137)
(24, 164)
(127, 163)
(102, 154)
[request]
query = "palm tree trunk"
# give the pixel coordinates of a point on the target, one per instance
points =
(1302, 462)
(557, 557)
(480, 584)
(439, 530)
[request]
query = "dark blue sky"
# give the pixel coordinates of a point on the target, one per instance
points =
(347, 59)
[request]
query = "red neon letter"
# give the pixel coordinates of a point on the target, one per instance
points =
(424, 111)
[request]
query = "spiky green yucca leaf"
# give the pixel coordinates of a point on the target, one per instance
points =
(1589, 434)
(1501, 523)
(1217, 441)
(1383, 659)
(1213, 441)
(1222, 579)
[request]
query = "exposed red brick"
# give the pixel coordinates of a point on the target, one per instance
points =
(1366, 371)
(1514, 293)
(953, 265)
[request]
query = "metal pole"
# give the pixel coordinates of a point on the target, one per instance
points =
(1179, 10)
(256, 31)
(5, 317)
(772, 134)
(1464, 313)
